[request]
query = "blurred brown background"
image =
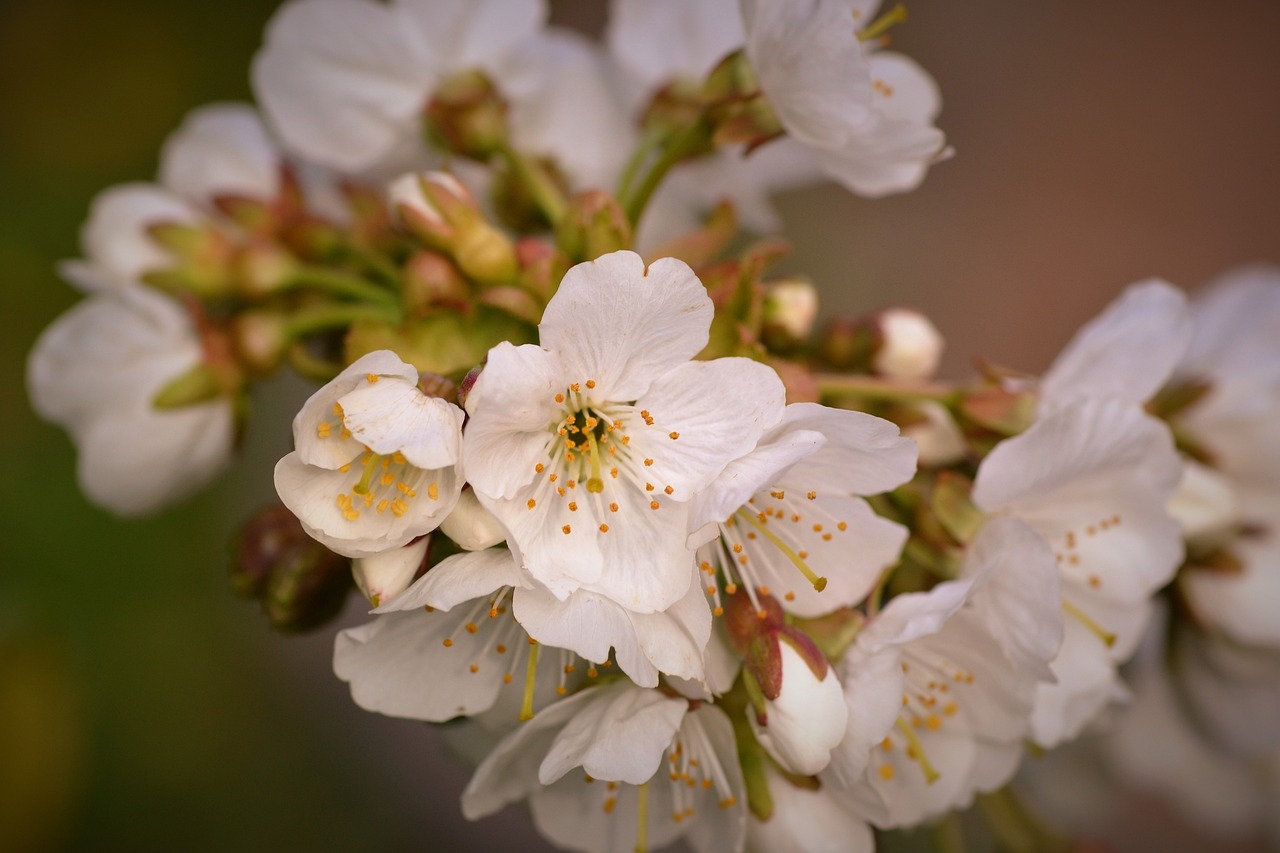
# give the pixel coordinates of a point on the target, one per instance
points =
(142, 707)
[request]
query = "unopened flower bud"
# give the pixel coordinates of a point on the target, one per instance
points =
(301, 583)
(438, 209)
(415, 211)
(806, 719)
(788, 312)
(542, 266)
(431, 280)
(486, 254)
(383, 576)
(849, 343)
(936, 435)
(910, 347)
(200, 384)
(472, 526)
(203, 259)
(465, 398)
(468, 116)
(593, 225)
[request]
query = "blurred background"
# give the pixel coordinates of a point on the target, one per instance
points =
(143, 707)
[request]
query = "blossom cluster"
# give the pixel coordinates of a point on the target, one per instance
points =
(685, 568)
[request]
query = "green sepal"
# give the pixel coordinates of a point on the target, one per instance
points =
(200, 384)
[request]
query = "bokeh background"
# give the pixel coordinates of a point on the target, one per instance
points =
(142, 707)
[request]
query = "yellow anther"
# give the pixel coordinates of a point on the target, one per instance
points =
(886, 772)
(532, 503)
(559, 398)
(604, 528)
(372, 377)
(566, 530)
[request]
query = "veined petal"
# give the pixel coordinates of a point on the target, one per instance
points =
(221, 149)
(342, 80)
(1128, 351)
(620, 735)
(334, 449)
(705, 415)
(396, 416)
(649, 565)
(622, 325)
(513, 407)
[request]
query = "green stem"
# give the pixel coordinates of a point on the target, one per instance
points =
(1016, 829)
(337, 315)
(340, 283)
(643, 149)
(545, 194)
(677, 149)
(875, 388)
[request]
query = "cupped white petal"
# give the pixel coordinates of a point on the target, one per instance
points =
(622, 325)
(471, 526)
(808, 821)
(466, 34)
(458, 579)
(392, 416)
(903, 91)
(329, 446)
(1127, 352)
(913, 615)
(1086, 684)
(342, 81)
(221, 149)
(863, 454)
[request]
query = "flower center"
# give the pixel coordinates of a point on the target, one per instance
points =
(929, 699)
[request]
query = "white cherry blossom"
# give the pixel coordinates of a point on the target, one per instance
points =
(589, 447)
(1093, 480)
(617, 768)
(375, 463)
(788, 517)
(97, 370)
(867, 116)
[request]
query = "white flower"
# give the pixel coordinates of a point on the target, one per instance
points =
(971, 654)
(375, 463)
(472, 526)
(1093, 480)
(655, 771)
(344, 82)
(589, 447)
(97, 371)
(386, 574)
(1127, 352)
(448, 646)
(867, 116)
(807, 718)
(788, 517)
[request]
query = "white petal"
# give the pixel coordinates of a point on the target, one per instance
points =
(474, 33)
(658, 41)
(341, 81)
(1128, 351)
(1206, 504)
(1086, 684)
(620, 735)
(863, 454)
(1242, 606)
(1021, 600)
(115, 237)
(808, 821)
(395, 416)
(398, 665)
(1231, 692)
(872, 681)
(335, 451)
(1093, 480)
(717, 411)
(457, 579)
(221, 149)
(908, 93)
(512, 409)
(621, 324)
(1237, 320)
(913, 615)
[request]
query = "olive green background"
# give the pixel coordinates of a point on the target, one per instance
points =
(142, 707)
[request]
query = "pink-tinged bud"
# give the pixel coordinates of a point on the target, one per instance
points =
(787, 314)
(438, 209)
(432, 281)
(542, 266)
(472, 526)
(417, 213)
(745, 620)
(386, 575)
(807, 718)
(435, 385)
(849, 343)
(1001, 411)
(468, 116)
(910, 347)
(593, 225)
